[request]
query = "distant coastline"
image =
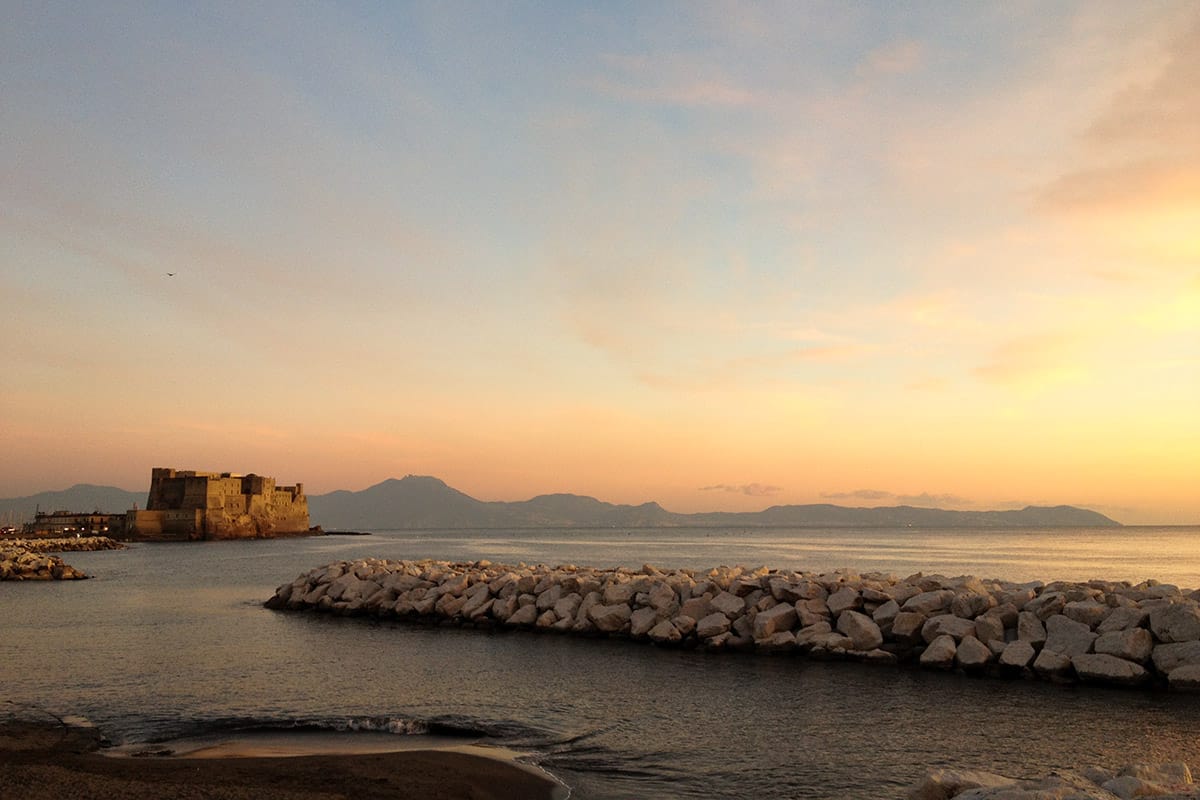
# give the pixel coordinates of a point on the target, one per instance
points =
(425, 502)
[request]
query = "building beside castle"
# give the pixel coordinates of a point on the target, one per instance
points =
(187, 505)
(59, 524)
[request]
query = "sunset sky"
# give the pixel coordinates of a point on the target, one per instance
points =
(721, 256)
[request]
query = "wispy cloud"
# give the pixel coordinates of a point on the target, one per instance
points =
(893, 58)
(1133, 180)
(859, 494)
(749, 489)
(1033, 360)
(922, 499)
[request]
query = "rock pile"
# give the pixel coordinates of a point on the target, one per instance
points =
(19, 564)
(1099, 631)
(1164, 781)
(65, 544)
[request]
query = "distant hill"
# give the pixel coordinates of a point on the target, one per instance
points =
(426, 502)
(82, 497)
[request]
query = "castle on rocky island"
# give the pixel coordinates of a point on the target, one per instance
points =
(187, 505)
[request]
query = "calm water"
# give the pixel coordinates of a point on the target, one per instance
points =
(171, 640)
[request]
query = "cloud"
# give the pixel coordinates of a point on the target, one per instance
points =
(922, 499)
(675, 80)
(750, 489)
(893, 59)
(1163, 110)
(1034, 359)
(1134, 178)
(859, 494)
(937, 500)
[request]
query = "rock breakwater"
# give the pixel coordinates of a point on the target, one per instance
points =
(1107, 632)
(1166, 781)
(27, 559)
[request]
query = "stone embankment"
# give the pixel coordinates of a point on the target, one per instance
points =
(1164, 781)
(1099, 631)
(26, 559)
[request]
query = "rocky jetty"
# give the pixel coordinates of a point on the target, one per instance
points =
(19, 564)
(1164, 781)
(65, 544)
(27, 559)
(1106, 632)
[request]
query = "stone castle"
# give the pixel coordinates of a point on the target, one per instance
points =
(188, 505)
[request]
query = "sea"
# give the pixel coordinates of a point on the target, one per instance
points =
(171, 642)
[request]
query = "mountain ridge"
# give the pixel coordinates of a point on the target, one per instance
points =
(426, 502)
(411, 504)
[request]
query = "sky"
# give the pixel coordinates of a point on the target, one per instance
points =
(717, 255)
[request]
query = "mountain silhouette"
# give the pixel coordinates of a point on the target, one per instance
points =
(418, 501)
(82, 498)
(422, 501)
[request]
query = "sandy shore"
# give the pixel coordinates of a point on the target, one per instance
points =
(46, 761)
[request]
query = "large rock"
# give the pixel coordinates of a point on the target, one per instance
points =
(906, 627)
(525, 615)
(568, 606)
(886, 613)
(844, 599)
(972, 654)
(619, 593)
(1122, 619)
(1067, 636)
(940, 653)
(663, 599)
(989, 628)
(1030, 628)
(1174, 774)
(776, 619)
(1170, 657)
(928, 603)
(778, 643)
(970, 605)
(943, 784)
(1132, 644)
(610, 618)
(1105, 668)
(1053, 665)
(696, 607)
(861, 630)
(1047, 604)
(811, 611)
(714, 624)
(947, 624)
(729, 604)
(1178, 622)
(1185, 678)
(642, 620)
(1089, 612)
(1017, 655)
(665, 633)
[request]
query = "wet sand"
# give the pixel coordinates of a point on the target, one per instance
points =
(47, 761)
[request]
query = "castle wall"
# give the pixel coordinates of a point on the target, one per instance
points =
(213, 505)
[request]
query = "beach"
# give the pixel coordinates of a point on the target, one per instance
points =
(49, 761)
